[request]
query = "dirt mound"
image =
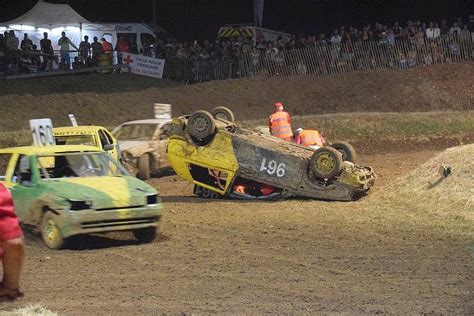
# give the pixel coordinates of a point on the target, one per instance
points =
(448, 196)
(111, 99)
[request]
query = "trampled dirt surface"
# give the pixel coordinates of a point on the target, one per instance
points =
(295, 256)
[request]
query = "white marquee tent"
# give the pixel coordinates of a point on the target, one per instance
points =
(54, 19)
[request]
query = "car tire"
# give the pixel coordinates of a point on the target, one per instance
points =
(201, 125)
(348, 152)
(145, 235)
(144, 167)
(326, 162)
(50, 232)
(221, 112)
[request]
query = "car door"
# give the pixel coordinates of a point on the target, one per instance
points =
(23, 184)
(162, 141)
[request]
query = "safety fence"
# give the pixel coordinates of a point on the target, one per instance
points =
(317, 59)
(362, 55)
(199, 70)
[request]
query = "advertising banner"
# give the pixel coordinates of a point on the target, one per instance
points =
(143, 65)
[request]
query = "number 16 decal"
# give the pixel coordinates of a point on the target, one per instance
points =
(273, 168)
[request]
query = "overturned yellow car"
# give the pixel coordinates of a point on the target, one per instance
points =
(223, 159)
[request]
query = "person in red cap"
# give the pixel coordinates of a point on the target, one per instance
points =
(11, 247)
(279, 123)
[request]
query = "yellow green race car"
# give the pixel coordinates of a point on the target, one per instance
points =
(69, 190)
(223, 159)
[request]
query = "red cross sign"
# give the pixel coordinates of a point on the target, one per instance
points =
(128, 60)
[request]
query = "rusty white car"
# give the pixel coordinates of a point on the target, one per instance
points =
(142, 146)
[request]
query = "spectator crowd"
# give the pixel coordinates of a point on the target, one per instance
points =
(380, 33)
(26, 56)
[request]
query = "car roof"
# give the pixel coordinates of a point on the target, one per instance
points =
(72, 130)
(45, 150)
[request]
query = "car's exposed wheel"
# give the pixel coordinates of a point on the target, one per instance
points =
(326, 162)
(50, 232)
(144, 167)
(221, 112)
(201, 125)
(145, 235)
(348, 152)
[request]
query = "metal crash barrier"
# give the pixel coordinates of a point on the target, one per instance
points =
(193, 71)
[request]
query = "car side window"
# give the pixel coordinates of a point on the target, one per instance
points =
(109, 137)
(22, 172)
(103, 139)
(4, 160)
(163, 136)
(165, 131)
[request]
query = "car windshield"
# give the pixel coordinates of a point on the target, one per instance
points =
(80, 164)
(76, 140)
(140, 132)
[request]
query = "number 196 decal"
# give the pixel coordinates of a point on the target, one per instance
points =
(273, 168)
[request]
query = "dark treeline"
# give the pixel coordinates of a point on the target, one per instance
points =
(200, 19)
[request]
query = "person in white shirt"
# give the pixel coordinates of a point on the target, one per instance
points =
(335, 38)
(437, 31)
(430, 31)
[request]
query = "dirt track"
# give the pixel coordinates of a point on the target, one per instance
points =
(296, 256)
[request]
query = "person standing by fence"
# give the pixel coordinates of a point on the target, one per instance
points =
(65, 46)
(48, 52)
(11, 247)
(121, 47)
(279, 123)
(96, 50)
(84, 50)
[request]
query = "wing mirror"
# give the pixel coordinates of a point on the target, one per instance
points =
(108, 147)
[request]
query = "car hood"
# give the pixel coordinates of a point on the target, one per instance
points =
(128, 144)
(103, 192)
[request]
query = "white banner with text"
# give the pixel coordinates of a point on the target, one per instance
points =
(144, 65)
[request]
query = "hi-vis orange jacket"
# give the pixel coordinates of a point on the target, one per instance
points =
(309, 138)
(280, 125)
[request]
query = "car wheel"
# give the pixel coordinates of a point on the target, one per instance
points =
(221, 112)
(347, 151)
(145, 235)
(201, 125)
(326, 162)
(50, 232)
(144, 167)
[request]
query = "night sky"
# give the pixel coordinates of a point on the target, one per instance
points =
(200, 19)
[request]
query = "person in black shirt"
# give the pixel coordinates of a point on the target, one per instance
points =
(26, 44)
(47, 50)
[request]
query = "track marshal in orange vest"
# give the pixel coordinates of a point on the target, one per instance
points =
(279, 123)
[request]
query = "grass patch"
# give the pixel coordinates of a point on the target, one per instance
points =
(352, 127)
(32, 310)
(427, 198)
(384, 125)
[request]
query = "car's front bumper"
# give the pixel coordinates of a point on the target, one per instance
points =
(99, 221)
